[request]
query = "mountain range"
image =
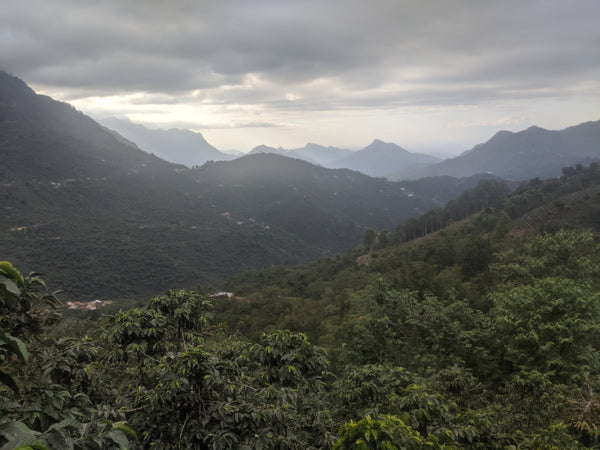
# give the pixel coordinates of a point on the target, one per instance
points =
(534, 152)
(376, 160)
(174, 145)
(103, 218)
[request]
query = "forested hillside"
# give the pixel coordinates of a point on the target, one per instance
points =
(484, 333)
(104, 219)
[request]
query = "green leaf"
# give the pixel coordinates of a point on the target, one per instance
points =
(32, 444)
(10, 285)
(14, 344)
(125, 428)
(16, 433)
(8, 269)
(65, 423)
(119, 438)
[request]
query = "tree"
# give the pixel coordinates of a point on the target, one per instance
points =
(384, 432)
(475, 256)
(552, 326)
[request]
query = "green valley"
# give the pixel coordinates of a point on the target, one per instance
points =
(484, 333)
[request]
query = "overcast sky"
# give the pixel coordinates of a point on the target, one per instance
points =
(428, 75)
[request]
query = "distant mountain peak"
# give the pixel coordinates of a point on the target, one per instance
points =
(533, 152)
(535, 128)
(380, 159)
(381, 146)
(181, 146)
(262, 148)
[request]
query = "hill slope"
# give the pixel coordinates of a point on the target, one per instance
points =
(105, 219)
(534, 152)
(45, 139)
(451, 263)
(327, 208)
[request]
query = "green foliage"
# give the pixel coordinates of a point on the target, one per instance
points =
(566, 253)
(385, 432)
(552, 326)
(476, 256)
(472, 337)
(474, 334)
(186, 310)
(487, 194)
(24, 301)
(53, 408)
(553, 437)
(369, 389)
(287, 358)
(266, 397)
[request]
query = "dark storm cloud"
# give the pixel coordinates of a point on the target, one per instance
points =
(328, 54)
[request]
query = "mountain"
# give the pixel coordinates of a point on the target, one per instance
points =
(44, 139)
(105, 219)
(262, 149)
(379, 159)
(177, 146)
(534, 152)
(320, 154)
(312, 153)
(325, 207)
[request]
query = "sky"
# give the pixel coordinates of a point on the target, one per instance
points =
(432, 76)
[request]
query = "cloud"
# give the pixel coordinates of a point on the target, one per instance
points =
(284, 58)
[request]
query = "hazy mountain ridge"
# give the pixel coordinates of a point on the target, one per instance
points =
(322, 155)
(379, 159)
(86, 207)
(534, 152)
(265, 149)
(174, 145)
(312, 153)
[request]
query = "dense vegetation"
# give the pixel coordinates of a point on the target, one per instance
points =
(484, 334)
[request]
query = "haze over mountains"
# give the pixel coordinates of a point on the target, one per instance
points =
(534, 152)
(379, 158)
(77, 199)
(177, 146)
